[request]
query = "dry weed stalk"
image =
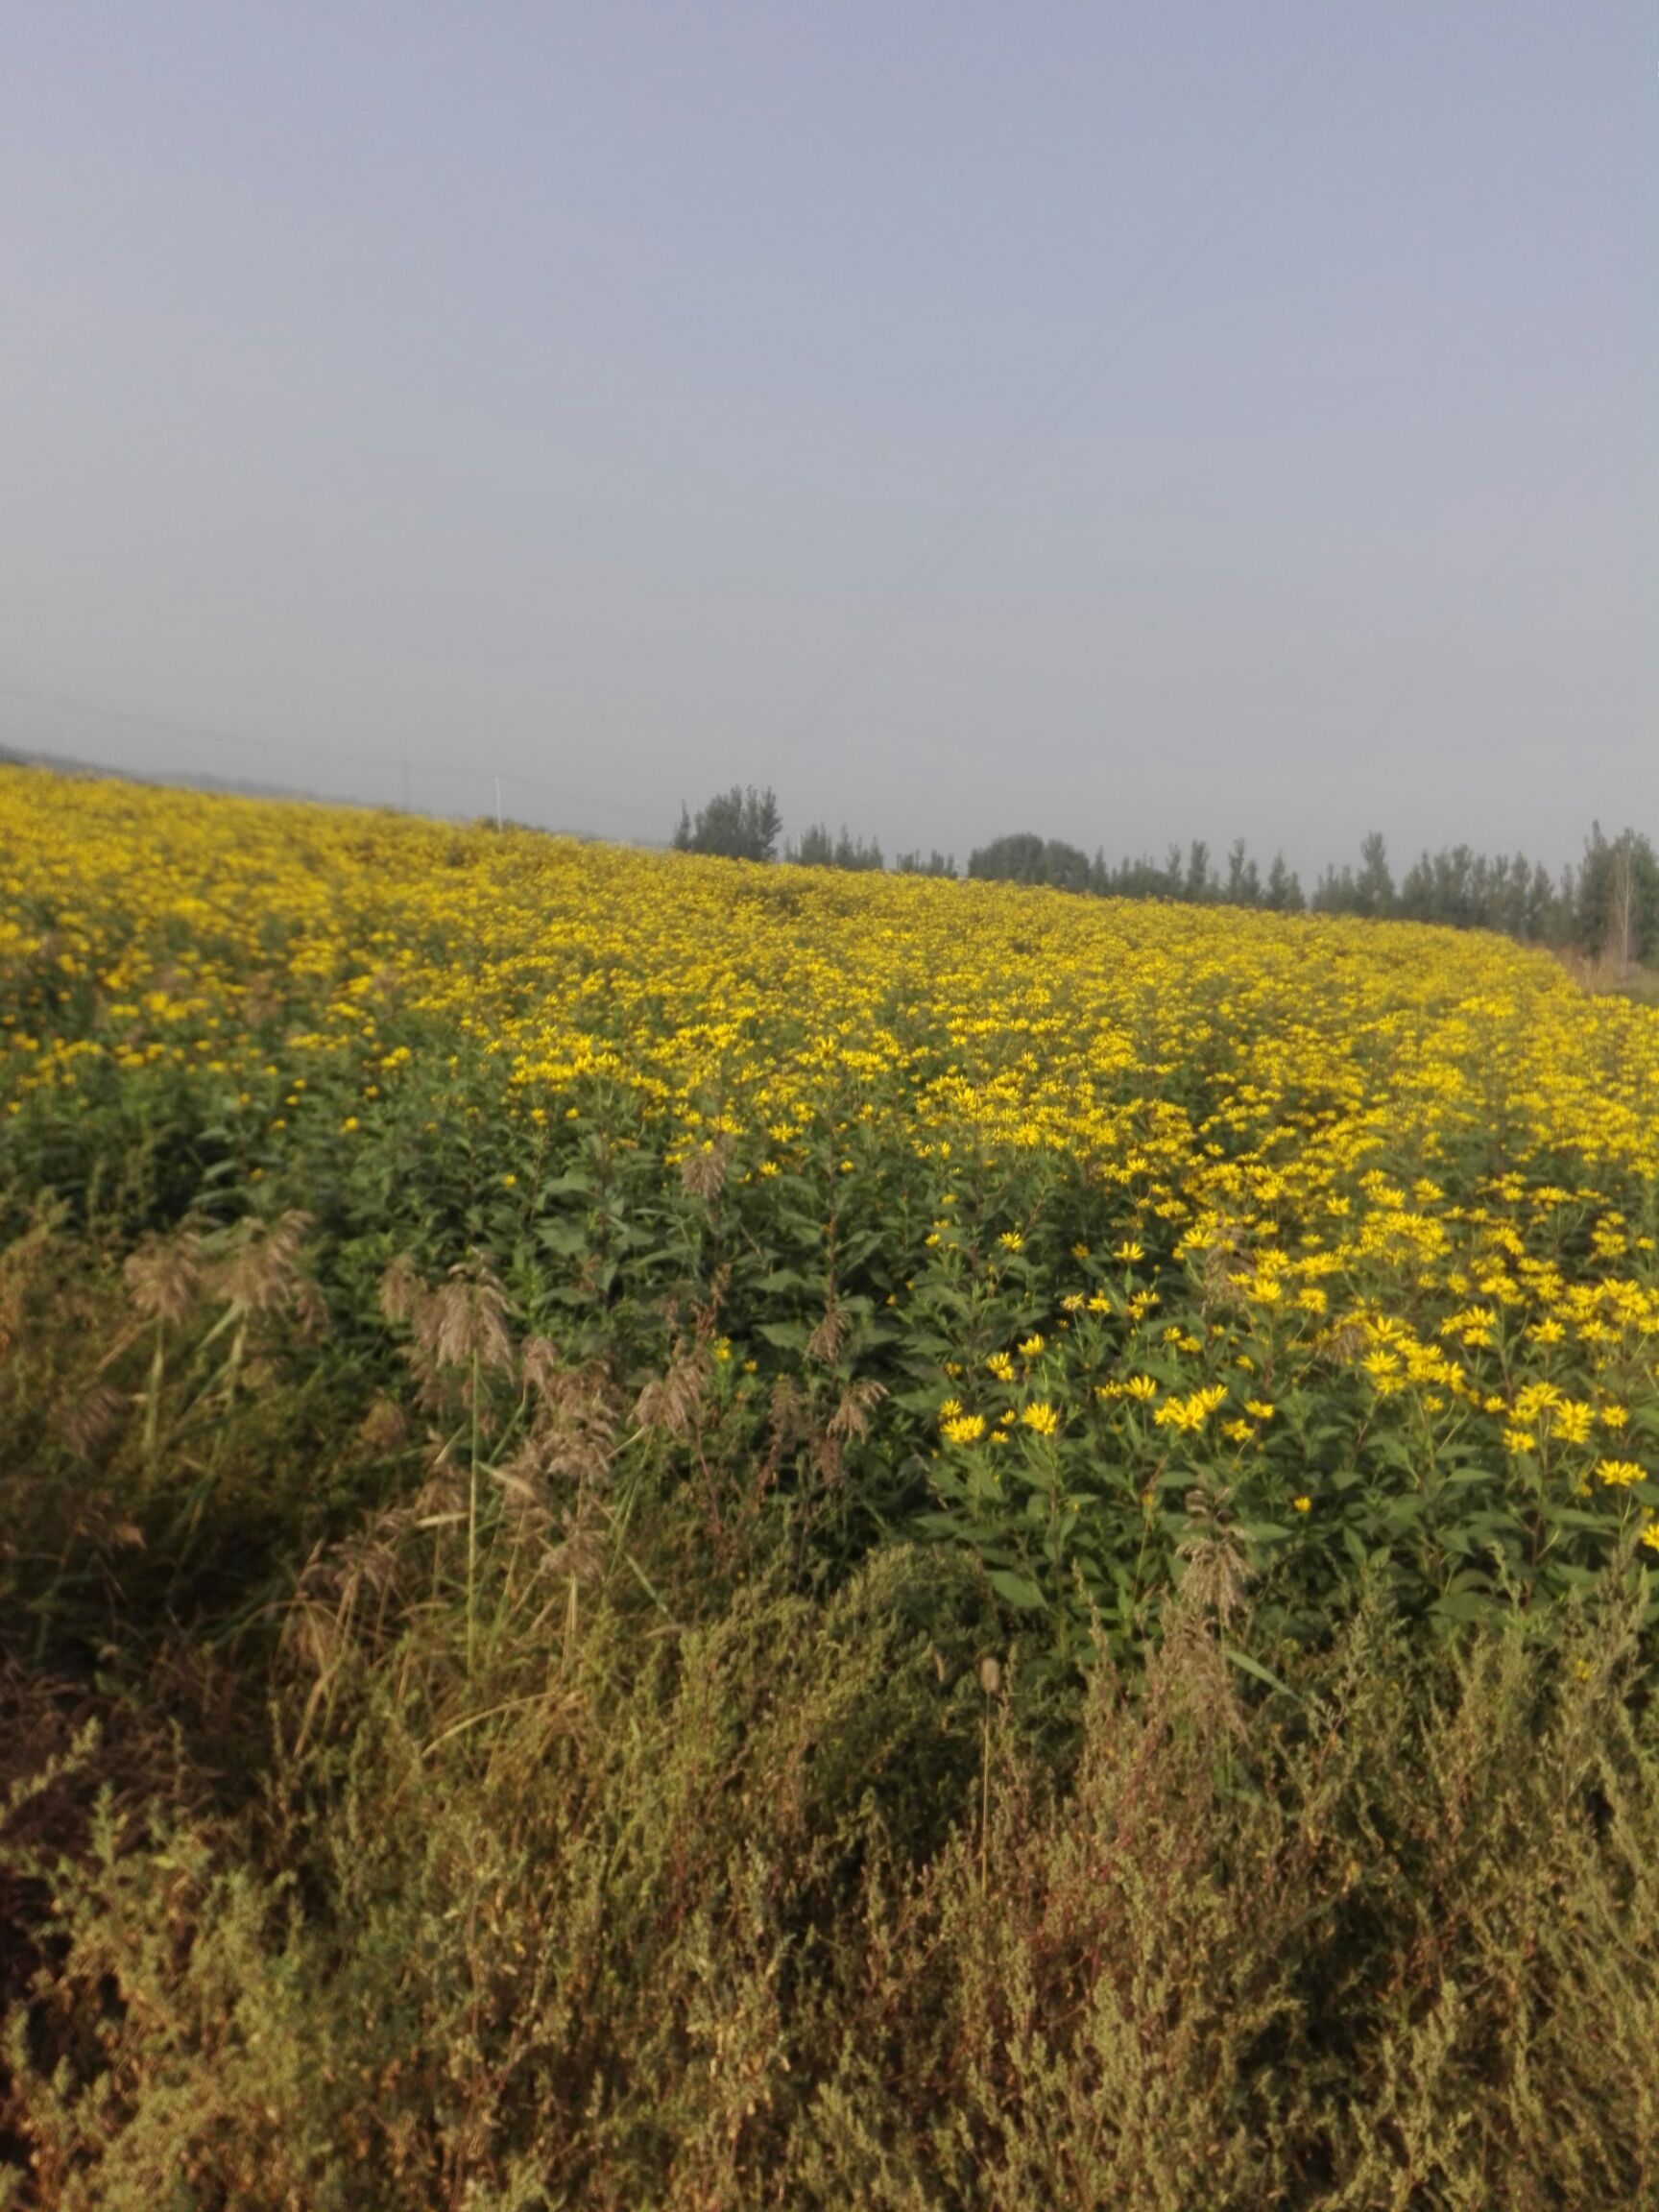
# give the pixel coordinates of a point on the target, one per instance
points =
(703, 1172)
(1209, 1599)
(92, 1418)
(385, 1426)
(165, 1274)
(673, 1401)
(261, 1272)
(19, 1264)
(458, 1327)
(829, 1338)
(344, 1602)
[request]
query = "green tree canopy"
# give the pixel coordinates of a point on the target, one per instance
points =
(737, 825)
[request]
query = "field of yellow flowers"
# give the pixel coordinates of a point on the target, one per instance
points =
(721, 1537)
(1083, 1223)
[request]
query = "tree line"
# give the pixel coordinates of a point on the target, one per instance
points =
(1606, 904)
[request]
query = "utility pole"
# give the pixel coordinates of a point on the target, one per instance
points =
(1623, 933)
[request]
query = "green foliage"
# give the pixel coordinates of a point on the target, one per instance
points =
(1282, 893)
(736, 824)
(529, 1772)
(1020, 857)
(537, 1670)
(1467, 890)
(1608, 907)
(816, 848)
(1369, 893)
(200, 1382)
(1617, 906)
(776, 1900)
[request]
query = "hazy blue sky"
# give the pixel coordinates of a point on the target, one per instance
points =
(1131, 422)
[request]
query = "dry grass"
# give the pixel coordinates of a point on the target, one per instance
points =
(557, 1890)
(1607, 978)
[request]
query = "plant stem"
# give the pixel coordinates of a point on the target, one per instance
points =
(985, 1795)
(472, 1531)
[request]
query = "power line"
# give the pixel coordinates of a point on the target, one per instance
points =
(1156, 275)
(1446, 636)
(557, 797)
(190, 732)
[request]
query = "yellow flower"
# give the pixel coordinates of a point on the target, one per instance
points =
(965, 1429)
(1536, 1398)
(1572, 1421)
(1520, 1440)
(1140, 1386)
(1043, 1418)
(1001, 1367)
(1190, 1412)
(157, 938)
(1302, 1505)
(1621, 1473)
(1260, 1407)
(1032, 1346)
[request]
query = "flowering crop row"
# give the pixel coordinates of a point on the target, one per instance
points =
(1349, 1227)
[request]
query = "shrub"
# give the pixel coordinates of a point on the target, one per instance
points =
(737, 825)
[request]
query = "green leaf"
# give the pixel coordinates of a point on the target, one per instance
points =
(565, 1237)
(786, 1335)
(1249, 1666)
(1461, 1606)
(1016, 1589)
(1575, 1517)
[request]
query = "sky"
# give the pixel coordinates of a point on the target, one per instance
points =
(1131, 424)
